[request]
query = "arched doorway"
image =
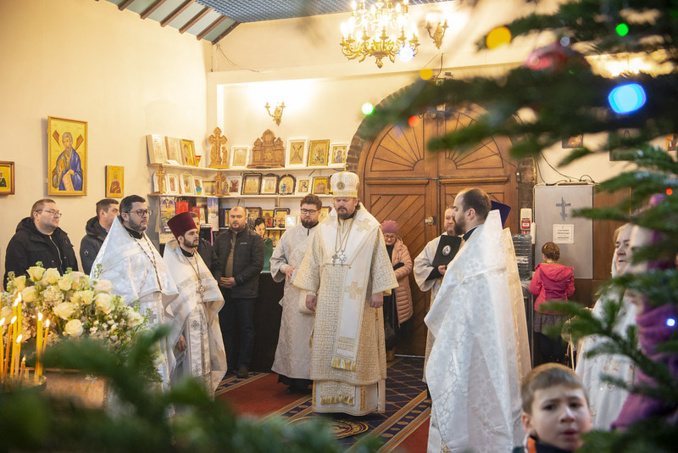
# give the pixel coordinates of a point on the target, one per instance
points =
(402, 180)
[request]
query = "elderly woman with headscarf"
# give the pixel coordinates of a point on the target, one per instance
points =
(398, 306)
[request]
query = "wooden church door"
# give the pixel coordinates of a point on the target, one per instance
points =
(402, 180)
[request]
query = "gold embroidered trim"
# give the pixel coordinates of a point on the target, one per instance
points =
(346, 400)
(343, 364)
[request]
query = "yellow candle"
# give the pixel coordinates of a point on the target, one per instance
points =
(2, 349)
(38, 348)
(17, 354)
(10, 341)
(44, 341)
(22, 373)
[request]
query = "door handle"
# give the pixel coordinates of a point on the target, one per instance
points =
(430, 221)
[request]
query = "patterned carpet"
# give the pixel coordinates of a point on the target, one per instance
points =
(404, 425)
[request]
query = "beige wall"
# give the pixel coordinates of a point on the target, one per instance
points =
(85, 60)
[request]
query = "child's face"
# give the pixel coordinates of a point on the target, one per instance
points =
(559, 416)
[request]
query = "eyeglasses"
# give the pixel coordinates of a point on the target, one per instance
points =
(143, 212)
(52, 212)
(309, 211)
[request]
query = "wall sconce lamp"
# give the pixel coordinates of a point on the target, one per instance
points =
(277, 112)
(436, 33)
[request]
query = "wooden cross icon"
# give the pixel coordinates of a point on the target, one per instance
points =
(218, 153)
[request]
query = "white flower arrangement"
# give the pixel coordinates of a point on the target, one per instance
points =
(76, 306)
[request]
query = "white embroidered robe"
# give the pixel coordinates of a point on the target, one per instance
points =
(196, 316)
(473, 372)
(138, 273)
(293, 353)
(348, 359)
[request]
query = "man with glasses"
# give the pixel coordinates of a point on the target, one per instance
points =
(293, 353)
(132, 264)
(39, 238)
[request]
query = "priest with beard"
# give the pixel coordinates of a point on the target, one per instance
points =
(346, 272)
(293, 353)
(136, 270)
(199, 349)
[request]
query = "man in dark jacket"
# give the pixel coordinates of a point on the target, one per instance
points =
(39, 238)
(97, 228)
(241, 259)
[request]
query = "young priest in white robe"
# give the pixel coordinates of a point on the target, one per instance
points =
(199, 349)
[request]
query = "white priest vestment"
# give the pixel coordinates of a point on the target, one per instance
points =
(195, 312)
(138, 273)
(606, 399)
(423, 265)
(293, 353)
(347, 263)
(473, 372)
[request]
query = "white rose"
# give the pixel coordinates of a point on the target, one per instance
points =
(85, 297)
(52, 295)
(51, 276)
(20, 283)
(133, 317)
(29, 294)
(65, 282)
(6, 312)
(73, 328)
(35, 272)
(103, 286)
(65, 310)
(104, 302)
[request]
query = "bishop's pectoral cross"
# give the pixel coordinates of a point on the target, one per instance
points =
(340, 256)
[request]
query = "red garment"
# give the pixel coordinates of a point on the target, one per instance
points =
(551, 282)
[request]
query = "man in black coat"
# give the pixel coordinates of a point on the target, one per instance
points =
(241, 259)
(39, 238)
(97, 228)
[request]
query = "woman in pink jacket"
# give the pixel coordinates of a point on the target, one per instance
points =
(397, 307)
(551, 281)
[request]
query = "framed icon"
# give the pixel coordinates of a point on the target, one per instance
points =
(172, 184)
(115, 181)
(303, 186)
(252, 215)
(317, 153)
(269, 184)
(251, 184)
(198, 185)
(268, 215)
(321, 185)
(67, 156)
(239, 155)
(188, 152)
(296, 152)
(233, 184)
(286, 185)
(7, 178)
(173, 150)
(338, 153)
(324, 213)
(186, 184)
(280, 217)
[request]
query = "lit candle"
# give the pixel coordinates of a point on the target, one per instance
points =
(10, 341)
(44, 341)
(2, 349)
(17, 353)
(38, 348)
(22, 373)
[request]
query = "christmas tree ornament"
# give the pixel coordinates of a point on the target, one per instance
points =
(554, 57)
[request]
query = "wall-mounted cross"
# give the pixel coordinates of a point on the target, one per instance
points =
(562, 205)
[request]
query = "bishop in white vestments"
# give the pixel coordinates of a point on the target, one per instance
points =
(346, 272)
(200, 349)
(293, 353)
(129, 260)
(473, 372)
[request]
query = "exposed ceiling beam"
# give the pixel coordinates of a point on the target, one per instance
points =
(152, 8)
(227, 31)
(195, 19)
(211, 27)
(176, 12)
(125, 4)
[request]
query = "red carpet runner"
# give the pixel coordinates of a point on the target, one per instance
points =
(404, 425)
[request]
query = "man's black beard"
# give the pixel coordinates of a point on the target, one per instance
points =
(308, 223)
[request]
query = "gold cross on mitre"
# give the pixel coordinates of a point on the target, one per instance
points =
(354, 290)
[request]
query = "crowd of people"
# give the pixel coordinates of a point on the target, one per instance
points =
(347, 304)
